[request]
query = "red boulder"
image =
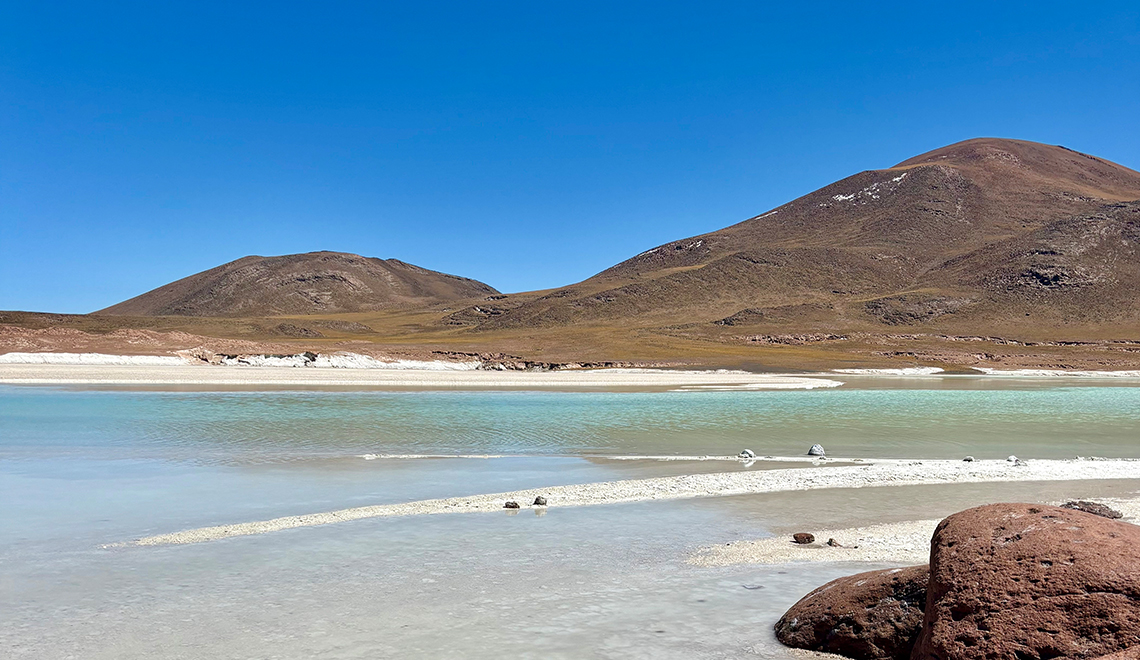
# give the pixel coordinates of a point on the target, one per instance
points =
(1031, 582)
(869, 616)
(1127, 654)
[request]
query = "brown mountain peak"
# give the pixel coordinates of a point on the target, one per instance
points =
(309, 283)
(983, 229)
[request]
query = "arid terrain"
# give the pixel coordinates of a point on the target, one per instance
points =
(990, 252)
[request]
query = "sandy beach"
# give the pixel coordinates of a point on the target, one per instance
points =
(351, 371)
(158, 375)
(875, 474)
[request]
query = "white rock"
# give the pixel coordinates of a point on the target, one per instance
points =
(92, 359)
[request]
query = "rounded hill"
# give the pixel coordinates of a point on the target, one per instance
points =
(311, 283)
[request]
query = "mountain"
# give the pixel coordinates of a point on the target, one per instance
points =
(987, 253)
(312, 283)
(980, 233)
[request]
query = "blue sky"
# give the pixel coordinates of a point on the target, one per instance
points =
(528, 145)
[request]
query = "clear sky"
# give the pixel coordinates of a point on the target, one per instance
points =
(528, 145)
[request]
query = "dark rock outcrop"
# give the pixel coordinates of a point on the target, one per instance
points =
(1031, 582)
(1095, 508)
(869, 616)
(803, 538)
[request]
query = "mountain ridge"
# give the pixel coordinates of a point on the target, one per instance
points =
(874, 234)
(988, 237)
(989, 252)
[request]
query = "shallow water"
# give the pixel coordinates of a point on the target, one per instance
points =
(79, 469)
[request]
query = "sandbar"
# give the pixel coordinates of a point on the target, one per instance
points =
(877, 474)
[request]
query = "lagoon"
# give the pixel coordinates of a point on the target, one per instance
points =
(81, 469)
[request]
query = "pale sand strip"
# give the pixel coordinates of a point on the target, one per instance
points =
(897, 543)
(665, 458)
(892, 473)
(900, 543)
(206, 375)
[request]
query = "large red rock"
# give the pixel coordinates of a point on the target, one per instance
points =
(869, 616)
(1031, 582)
(1132, 653)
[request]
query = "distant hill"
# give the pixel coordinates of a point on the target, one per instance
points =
(979, 234)
(312, 283)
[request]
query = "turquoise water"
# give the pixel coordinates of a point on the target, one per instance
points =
(80, 469)
(254, 427)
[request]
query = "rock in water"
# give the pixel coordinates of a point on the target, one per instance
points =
(869, 616)
(540, 501)
(1095, 508)
(1031, 581)
(816, 450)
(511, 505)
(969, 459)
(803, 538)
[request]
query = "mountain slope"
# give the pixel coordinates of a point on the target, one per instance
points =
(312, 283)
(931, 226)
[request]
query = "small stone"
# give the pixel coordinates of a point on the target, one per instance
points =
(511, 505)
(540, 501)
(1095, 508)
(968, 459)
(816, 450)
(833, 543)
(803, 538)
(747, 453)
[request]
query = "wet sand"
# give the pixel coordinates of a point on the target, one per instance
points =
(905, 542)
(902, 542)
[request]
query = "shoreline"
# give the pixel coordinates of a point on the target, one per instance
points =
(878, 474)
(905, 542)
(163, 373)
(140, 375)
